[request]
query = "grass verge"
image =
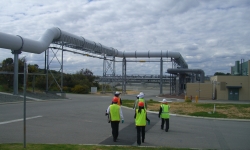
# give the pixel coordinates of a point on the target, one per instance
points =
(231, 111)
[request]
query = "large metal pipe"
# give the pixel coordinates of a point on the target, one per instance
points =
(149, 54)
(13, 42)
(16, 43)
(199, 71)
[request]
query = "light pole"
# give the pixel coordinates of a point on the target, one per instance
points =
(24, 103)
(199, 87)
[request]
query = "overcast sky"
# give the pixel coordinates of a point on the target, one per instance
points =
(209, 34)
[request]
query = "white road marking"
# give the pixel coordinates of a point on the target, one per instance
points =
(11, 121)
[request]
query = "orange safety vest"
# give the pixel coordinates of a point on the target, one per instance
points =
(119, 101)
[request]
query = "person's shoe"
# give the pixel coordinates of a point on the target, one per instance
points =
(142, 141)
(166, 130)
(114, 139)
(138, 144)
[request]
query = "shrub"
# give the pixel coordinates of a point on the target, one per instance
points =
(80, 89)
(188, 99)
(66, 89)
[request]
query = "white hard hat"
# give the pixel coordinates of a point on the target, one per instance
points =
(164, 101)
(141, 95)
(117, 93)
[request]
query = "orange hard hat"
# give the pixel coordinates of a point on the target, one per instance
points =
(141, 104)
(115, 99)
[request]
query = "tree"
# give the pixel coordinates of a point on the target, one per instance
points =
(87, 72)
(8, 64)
(218, 73)
(32, 68)
(7, 79)
(84, 79)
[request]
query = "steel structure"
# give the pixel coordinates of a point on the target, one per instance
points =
(80, 45)
(181, 80)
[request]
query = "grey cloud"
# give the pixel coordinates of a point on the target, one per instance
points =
(217, 28)
(178, 6)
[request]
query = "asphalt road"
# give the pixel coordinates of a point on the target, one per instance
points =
(81, 120)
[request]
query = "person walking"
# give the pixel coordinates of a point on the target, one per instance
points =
(136, 102)
(140, 99)
(115, 115)
(140, 122)
(164, 114)
(117, 94)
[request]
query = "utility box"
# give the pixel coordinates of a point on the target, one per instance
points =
(93, 90)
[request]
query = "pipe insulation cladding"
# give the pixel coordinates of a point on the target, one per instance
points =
(197, 71)
(20, 43)
(16, 42)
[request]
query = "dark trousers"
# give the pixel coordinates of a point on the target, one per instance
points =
(115, 129)
(163, 121)
(140, 133)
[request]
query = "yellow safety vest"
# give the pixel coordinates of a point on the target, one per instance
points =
(140, 119)
(114, 112)
(165, 111)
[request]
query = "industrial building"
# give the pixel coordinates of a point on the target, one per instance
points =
(225, 87)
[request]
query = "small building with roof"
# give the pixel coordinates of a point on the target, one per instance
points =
(225, 87)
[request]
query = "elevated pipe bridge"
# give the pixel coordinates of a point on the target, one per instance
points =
(78, 44)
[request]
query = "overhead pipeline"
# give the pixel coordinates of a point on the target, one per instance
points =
(197, 71)
(16, 42)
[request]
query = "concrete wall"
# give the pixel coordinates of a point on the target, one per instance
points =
(206, 90)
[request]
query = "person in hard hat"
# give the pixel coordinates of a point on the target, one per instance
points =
(136, 101)
(141, 99)
(115, 115)
(117, 94)
(140, 122)
(164, 114)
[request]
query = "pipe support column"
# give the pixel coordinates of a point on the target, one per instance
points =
(15, 84)
(161, 74)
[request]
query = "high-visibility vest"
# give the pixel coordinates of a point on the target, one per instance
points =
(115, 112)
(140, 119)
(141, 100)
(165, 111)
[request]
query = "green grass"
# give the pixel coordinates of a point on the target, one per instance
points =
(223, 106)
(208, 114)
(78, 147)
(240, 109)
(5, 88)
(128, 103)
